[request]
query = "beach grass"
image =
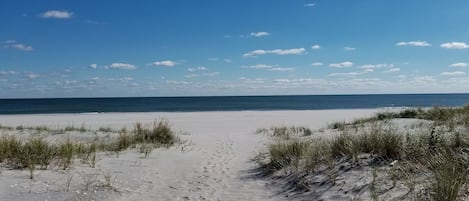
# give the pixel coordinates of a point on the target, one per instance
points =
(436, 152)
(37, 153)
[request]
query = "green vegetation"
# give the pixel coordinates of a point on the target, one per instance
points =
(37, 152)
(436, 152)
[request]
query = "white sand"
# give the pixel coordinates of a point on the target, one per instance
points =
(216, 167)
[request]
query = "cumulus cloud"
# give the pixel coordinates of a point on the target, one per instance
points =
(173, 82)
(193, 75)
(9, 41)
(252, 81)
(7, 72)
(57, 14)
(345, 74)
(455, 45)
(258, 66)
(459, 65)
(167, 63)
(309, 5)
(93, 66)
(18, 46)
(315, 47)
(454, 73)
(317, 64)
(31, 75)
(200, 68)
(375, 66)
(255, 52)
(345, 64)
(259, 34)
(122, 66)
(276, 51)
(349, 48)
(414, 43)
(280, 69)
(392, 70)
(121, 79)
(22, 47)
(269, 67)
(211, 74)
(288, 51)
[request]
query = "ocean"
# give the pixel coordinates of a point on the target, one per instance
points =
(226, 103)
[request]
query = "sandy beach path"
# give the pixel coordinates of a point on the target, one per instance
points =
(214, 167)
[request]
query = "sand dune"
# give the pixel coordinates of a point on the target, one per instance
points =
(215, 166)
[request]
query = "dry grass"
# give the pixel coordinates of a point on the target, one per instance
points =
(438, 153)
(37, 153)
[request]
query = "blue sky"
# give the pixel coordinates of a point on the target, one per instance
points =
(215, 47)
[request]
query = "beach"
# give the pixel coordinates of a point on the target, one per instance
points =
(214, 163)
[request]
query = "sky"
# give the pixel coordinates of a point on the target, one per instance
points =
(124, 48)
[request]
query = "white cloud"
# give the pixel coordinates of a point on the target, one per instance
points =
(193, 75)
(392, 70)
(345, 74)
(258, 66)
(454, 73)
(459, 65)
(252, 81)
(254, 53)
(414, 43)
(276, 51)
(123, 66)
(133, 84)
(374, 66)
(31, 75)
(212, 59)
(177, 82)
(57, 14)
(349, 48)
(211, 74)
(200, 68)
(309, 5)
(288, 51)
(227, 60)
(9, 41)
(121, 79)
(454, 45)
(8, 72)
(317, 64)
(18, 46)
(282, 69)
(167, 63)
(315, 47)
(345, 64)
(281, 81)
(269, 67)
(93, 66)
(259, 34)
(22, 47)
(368, 66)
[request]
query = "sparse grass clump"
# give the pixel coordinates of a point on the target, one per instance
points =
(286, 153)
(160, 133)
(286, 132)
(66, 154)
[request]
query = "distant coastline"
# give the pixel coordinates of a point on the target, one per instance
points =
(228, 103)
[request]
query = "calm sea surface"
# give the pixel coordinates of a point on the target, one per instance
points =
(227, 103)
